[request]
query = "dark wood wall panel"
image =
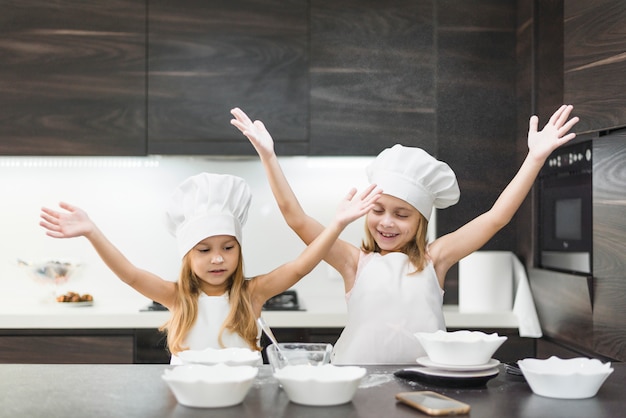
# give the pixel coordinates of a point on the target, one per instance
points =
(476, 105)
(595, 62)
(476, 110)
(548, 59)
(372, 76)
(72, 77)
(208, 57)
(524, 93)
(609, 251)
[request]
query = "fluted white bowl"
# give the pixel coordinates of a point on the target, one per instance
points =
(460, 348)
(201, 386)
(575, 378)
(232, 356)
(320, 385)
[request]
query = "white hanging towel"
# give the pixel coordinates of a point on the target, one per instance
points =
(524, 305)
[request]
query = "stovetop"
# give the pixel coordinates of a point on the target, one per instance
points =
(286, 301)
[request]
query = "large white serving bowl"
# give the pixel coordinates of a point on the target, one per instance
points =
(575, 378)
(460, 348)
(230, 356)
(201, 386)
(320, 385)
(313, 354)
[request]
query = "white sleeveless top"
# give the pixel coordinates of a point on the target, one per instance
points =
(386, 307)
(212, 312)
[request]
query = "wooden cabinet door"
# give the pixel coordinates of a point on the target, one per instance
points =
(67, 349)
(595, 62)
(206, 57)
(372, 76)
(72, 77)
(609, 245)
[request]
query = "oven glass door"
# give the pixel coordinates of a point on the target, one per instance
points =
(566, 222)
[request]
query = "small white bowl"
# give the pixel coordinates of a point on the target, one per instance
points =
(460, 348)
(293, 354)
(200, 386)
(575, 378)
(232, 356)
(320, 385)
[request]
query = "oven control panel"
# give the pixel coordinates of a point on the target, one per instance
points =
(572, 158)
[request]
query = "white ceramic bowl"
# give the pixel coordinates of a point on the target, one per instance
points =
(460, 348)
(575, 378)
(320, 385)
(230, 356)
(293, 354)
(200, 386)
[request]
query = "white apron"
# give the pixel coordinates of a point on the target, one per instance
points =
(386, 307)
(212, 312)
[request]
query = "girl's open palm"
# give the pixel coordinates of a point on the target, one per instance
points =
(553, 135)
(254, 131)
(74, 222)
(353, 207)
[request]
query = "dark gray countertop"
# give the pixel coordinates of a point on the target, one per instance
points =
(33, 390)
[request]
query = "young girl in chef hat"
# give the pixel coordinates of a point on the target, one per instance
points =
(212, 303)
(394, 282)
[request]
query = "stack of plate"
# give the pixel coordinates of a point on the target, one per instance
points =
(456, 359)
(451, 375)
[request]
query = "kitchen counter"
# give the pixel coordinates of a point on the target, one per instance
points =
(99, 316)
(138, 391)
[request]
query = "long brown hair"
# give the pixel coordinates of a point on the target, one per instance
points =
(240, 319)
(414, 249)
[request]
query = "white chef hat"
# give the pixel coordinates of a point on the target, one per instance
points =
(413, 175)
(206, 205)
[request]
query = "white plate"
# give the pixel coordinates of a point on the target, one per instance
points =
(456, 374)
(425, 361)
(76, 304)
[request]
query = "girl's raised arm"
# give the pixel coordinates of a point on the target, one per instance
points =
(450, 248)
(343, 256)
(74, 222)
(282, 278)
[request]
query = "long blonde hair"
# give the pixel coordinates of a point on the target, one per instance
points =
(414, 249)
(240, 319)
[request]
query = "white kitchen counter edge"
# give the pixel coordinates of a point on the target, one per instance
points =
(64, 317)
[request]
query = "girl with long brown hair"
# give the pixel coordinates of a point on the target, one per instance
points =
(212, 304)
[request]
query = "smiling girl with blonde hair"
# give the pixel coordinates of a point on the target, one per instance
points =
(394, 282)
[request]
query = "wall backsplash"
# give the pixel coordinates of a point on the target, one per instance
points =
(126, 197)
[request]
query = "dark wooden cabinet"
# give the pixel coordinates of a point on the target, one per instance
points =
(609, 245)
(372, 76)
(66, 346)
(204, 58)
(594, 50)
(137, 77)
(72, 77)
(83, 346)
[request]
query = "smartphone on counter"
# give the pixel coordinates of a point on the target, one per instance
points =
(433, 403)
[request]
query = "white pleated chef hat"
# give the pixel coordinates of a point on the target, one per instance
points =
(413, 175)
(207, 205)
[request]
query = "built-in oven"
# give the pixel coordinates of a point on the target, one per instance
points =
(565, 226)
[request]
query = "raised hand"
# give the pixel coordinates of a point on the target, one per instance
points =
(254, 131)
(353, 207)
(73, 222)
(553, 135)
